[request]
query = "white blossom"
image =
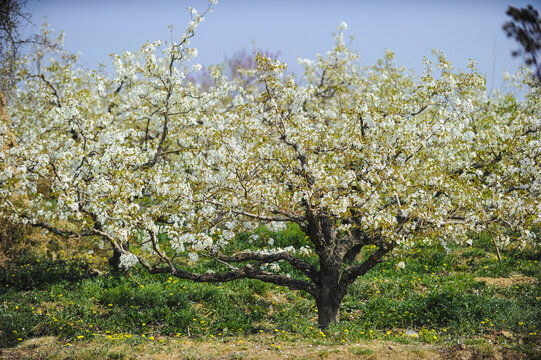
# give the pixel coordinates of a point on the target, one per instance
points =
(128, 260)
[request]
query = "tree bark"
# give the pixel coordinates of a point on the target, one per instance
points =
(329, 297)
(328, 309)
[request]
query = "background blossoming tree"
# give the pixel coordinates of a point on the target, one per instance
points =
(169, 173)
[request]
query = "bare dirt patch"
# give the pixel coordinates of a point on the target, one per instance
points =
(462, 352)
(250, 348)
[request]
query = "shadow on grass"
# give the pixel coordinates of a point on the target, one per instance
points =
(37, 273)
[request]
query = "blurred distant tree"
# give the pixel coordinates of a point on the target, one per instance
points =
(241, 65)
(11, 14)
(526, 29)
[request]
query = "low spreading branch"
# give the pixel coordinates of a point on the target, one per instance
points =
(306, 268)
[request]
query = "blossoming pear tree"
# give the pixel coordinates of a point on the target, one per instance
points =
(168, 172)
(375, 158)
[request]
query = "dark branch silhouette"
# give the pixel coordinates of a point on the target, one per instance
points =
(525, 28)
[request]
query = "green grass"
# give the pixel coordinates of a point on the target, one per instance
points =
(435, 298)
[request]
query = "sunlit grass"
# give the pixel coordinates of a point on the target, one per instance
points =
(435, 299)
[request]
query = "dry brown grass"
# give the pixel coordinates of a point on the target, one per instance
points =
(253, 347)
(12, 241)
(506, 282)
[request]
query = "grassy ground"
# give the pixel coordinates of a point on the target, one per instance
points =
(462, 303)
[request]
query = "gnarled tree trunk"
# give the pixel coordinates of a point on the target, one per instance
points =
(328, 308)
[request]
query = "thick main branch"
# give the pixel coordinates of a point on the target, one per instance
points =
(266, 258)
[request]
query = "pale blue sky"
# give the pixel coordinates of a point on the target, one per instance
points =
(463, 29)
